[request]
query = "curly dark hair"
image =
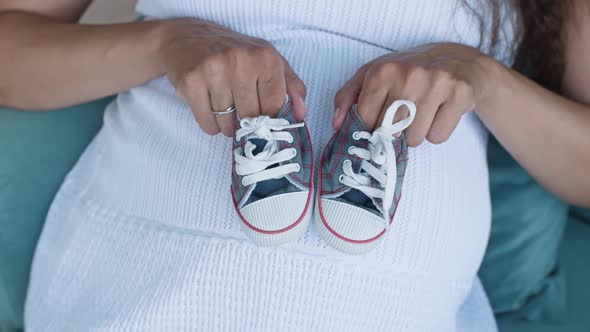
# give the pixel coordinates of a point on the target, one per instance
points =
(541, 34)
(541, 50)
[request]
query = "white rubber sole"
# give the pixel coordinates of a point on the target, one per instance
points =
(352, 248)
(277, 239)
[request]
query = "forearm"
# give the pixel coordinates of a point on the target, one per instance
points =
(547, 134)
(48, 64)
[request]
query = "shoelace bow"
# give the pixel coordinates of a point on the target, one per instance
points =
(253, 167)
(381, 152)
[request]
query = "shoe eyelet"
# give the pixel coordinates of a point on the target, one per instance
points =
(348, 161)
(294, 152)
(341, 178)
(351, 150)
(290, 140)
(355, 136)
(298, 168)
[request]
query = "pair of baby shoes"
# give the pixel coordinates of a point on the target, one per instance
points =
(358, 190)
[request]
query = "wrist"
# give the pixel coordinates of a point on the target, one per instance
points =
(487, 80)
(168, 32)
(160, 36)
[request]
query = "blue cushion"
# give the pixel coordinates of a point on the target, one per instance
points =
(38, 149)
(581, 214)
(577, 319)
(520, 270)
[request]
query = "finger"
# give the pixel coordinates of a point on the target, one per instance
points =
(429, 94)
(400, 114)
(221, 99)
(372, 98)
(416, 91)
(272, 89)
(296, 90)
(426, 111)
(448, 116)
(347, 96)
(410, 83)
(227, 124)
(198, 99)
(245, 94)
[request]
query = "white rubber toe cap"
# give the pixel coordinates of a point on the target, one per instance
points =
(277, 219)
(348, 228)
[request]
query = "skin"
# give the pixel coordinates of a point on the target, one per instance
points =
(47, 59)
(546, 133)
(214, 68)
(436, 77)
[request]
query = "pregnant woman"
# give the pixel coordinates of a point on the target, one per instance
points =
(143, 235)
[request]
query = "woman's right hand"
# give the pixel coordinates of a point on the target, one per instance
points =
(214, 68)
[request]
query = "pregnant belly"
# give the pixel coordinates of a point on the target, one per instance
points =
(152, 161)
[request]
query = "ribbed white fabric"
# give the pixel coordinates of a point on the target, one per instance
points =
(143, 235)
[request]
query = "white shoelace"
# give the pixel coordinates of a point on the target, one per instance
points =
(382, 153)
(253, 167)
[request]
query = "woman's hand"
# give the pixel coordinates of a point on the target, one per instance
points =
(214, 68)
(444, 80)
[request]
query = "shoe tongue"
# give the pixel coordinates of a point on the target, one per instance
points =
(358, 198)
(259, 143)
(268, 187)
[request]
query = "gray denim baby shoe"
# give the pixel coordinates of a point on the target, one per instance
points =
(361, 180)
(272, 177)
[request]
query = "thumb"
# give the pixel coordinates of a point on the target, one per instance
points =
(297, 92)
(347, 96)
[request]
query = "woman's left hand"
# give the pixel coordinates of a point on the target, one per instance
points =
(444, 81)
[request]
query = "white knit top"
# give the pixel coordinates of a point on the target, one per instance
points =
(143, 235)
